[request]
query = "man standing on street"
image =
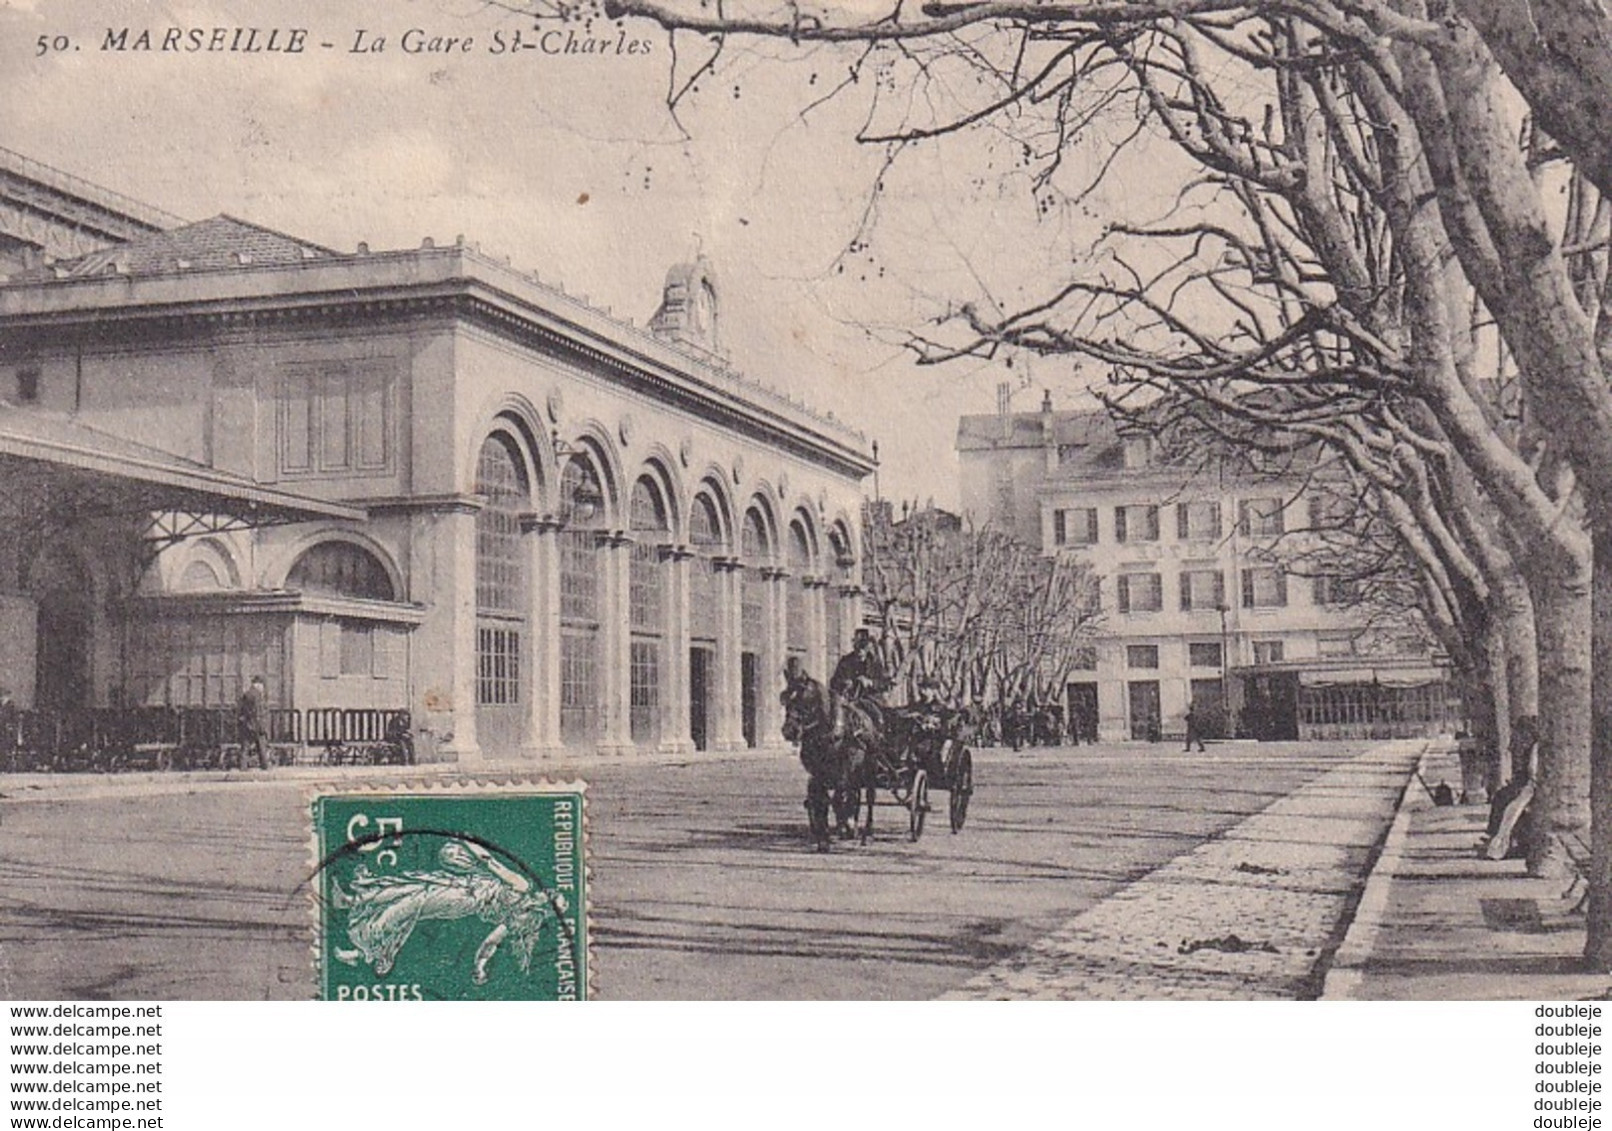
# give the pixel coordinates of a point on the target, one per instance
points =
(253, 711)
(1194, 728)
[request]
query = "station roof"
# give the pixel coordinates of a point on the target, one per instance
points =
(58, 468)
(217, 244)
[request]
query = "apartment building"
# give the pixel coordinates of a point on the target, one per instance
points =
(1199, 607)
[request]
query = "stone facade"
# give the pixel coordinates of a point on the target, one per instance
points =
(579, 533)
(1196, 606)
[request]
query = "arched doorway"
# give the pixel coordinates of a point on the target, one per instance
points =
(705, 534)
(60, 586)
(582, 508)
(646, 610)
(754, 632)
(501, 594)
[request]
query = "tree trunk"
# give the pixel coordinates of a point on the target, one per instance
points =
(1562, 794)
(1491, 721)
(1598, 935)
(1522, 658)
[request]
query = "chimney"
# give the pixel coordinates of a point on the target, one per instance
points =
(1004, 408)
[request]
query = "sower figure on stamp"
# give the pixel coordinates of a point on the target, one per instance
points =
(253, 713)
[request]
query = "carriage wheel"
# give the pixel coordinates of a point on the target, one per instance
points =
(918, 804)
(962, 785)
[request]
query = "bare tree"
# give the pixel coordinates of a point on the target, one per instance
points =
(1365, 194)
(979, 613)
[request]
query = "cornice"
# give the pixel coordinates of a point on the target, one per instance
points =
(617, 357)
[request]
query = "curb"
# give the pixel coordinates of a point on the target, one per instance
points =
(1345, 973)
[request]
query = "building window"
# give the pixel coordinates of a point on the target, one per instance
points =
(335, 420)
(498, 666)
(1331, 511)
(645, 690)
(1138, 452)
(834, 597)
(646, 581)
(1075, 527)
(581, 501)
(1336, 590)
(646, 601)
(1267, 652)
(1260, 518)
(1197, 521)
(1202, 589)
(753, 585)
(1264, 587)
(205, 661)
(28, 385)
(1205, 655)
(1142, 655)
(800, 564)
(1136, 524)
(499, 572)
(341, 569)
(1085, 659)
(357, 648)
(705, 533)
(1329, 646)
(577, 663)
(1140, 592)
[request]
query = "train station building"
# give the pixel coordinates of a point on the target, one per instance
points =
(413, 479)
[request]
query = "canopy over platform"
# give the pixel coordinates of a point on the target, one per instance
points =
(55, 470)
(1347, 671)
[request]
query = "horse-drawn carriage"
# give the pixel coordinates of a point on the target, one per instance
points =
(854, 750)
(922, 750)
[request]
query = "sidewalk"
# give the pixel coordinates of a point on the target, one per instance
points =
(1438, 922)
(1252, 913)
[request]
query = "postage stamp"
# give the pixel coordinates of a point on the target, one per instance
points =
(459, 892)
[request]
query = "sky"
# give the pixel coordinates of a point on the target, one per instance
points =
(571, 165)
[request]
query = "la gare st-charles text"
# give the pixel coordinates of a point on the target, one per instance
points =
(363, 41)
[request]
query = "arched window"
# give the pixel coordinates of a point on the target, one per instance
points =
(841, 577)
(647, 604)
(200, 576)
(753, 619)
(500, 580)
(800, 565)
(705, 534)
(582, 508)
(341, 569)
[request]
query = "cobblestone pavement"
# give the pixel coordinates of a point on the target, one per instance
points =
(1250, 914)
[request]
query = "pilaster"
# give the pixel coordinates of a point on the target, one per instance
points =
(543, 702)
(675, 734)
(728, 679)
(615, 652)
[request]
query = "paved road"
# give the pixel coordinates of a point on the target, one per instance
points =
(702, 884)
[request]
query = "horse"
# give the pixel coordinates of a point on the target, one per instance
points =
(837, 740)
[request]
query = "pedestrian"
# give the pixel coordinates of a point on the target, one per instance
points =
(1194, 727)
(253, 714)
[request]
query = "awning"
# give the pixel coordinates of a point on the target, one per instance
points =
(1380, 677)
(54, 469)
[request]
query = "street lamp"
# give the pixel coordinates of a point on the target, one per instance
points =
(1225, 667)
(581, 497)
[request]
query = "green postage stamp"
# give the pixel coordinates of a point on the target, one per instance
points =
(461, 891)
